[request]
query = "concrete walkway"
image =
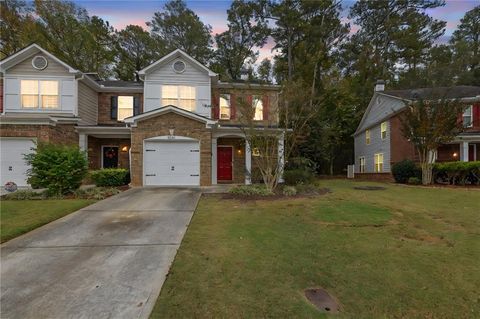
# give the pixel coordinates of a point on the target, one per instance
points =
(108, 260)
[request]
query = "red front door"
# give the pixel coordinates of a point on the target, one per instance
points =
(224, 163)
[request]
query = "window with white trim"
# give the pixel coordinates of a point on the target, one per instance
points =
(378, 162)
(362, 164)
(468, 116)
(225, 111)
(257, 104)
(181, 96)
(367, 137)
(125, 107)
(383, 130)
(39, 94)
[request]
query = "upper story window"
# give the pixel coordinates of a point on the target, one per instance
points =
(378, 162)
(467, 117)
(125, 107)
(367, 137)
(39, 94)
(257, 104)
(180, 96)
(362, 164)
(383, 130)
(225, 111)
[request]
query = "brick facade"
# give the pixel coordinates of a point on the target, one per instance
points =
(401, 148)
(159, 126)
(61, 134)
(95, 151)
(104, 107)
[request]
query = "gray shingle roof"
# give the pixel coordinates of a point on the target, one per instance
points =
(452, 92)
(121, 84)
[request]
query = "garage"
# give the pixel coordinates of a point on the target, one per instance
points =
(13, 166)
(171, 162)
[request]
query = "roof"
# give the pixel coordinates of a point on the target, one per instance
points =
(120, 84)
(169, 109)
(452, 92)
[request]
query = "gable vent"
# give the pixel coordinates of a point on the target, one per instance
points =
(39, 62)
(179, 66)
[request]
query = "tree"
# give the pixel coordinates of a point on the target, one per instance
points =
(235, 47)
(136, 49)
(466, 44)
(178, 27)
(17, 26)
(429, 124)
(265, 71)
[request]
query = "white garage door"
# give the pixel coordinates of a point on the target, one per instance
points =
(172, 163)
(13, 166)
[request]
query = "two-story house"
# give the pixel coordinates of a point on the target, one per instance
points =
(178, 126)
(379, 142)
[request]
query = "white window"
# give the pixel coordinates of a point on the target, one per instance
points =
(257, 104)
(39, 94)
(225, 107)
(383, 130)
(467, 117)
(362, 164)
(379, 162)
(125, 107)
(180, 96)
(367, 137)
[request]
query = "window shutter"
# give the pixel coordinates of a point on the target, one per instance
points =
(113, 107)
(476, 115)
(250, 105)
(266, 107)
(233, 106)
(136, 105)
(216, 106)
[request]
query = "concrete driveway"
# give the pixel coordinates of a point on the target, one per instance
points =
(108, 260)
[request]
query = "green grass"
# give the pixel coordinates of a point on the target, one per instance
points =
(404, 252)
(20, 216)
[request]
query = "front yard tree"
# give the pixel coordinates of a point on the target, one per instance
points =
(428, 124)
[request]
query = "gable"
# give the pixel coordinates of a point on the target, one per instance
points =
(26, 67)
(165, 72)
(381, 107)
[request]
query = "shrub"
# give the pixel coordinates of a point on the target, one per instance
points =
(110, 177)
(298, 176)
(289, 191)
(60, 168)
(250, 190)
(414, 181)
(24, 194)
(96, 192)
(457, 172)
(405, 169)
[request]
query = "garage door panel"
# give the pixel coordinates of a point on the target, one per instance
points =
(13, 166)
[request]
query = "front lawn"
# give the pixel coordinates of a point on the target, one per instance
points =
(20, 216)
(404, 252)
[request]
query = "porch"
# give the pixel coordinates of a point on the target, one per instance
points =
(465, 150)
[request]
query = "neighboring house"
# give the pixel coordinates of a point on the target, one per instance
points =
(379, 142)
(179, 126)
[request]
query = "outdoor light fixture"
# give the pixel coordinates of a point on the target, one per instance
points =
(239, 151)
(455, 154)
(125, 149)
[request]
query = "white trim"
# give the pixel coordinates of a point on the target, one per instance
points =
(214, 161)
(184, 66)
(233, 163)
(118, 157)
(168, 109)
(172, 138)
(248, 163)
(471, 117)
(42, 57)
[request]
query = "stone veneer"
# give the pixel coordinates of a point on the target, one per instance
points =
(159, 126)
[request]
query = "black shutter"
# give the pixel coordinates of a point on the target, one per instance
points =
(136, 105)
(113, 107)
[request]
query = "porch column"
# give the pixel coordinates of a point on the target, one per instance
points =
(83, 142)
(214, 161)
(248, 163)
(281, 156)
(464, 151)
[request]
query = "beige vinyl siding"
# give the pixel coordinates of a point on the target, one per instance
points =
(25, 68)
(87, 105)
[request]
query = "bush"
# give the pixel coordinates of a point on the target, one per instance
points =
(96, 193)
(405, 169)
(457, 172)
(250, 190)
(289, 191)
(60, 168)
(24, 194)
(110, 177)
(298, 176)
(414, 181)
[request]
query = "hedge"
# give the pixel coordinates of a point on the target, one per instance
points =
(110, 177)
(404, 170)
(457, 173)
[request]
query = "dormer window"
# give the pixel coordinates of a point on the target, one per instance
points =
(181, 96)
(225, 107)
(467, 117)
(39, 94)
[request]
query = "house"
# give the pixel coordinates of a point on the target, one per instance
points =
(379, 142)
(178, 126)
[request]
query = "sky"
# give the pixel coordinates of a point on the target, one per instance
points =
(214, 12)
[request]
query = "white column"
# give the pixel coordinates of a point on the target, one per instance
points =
(248, 163)
(214, 161)
(281, 156)
(83, 142)
(464, 152)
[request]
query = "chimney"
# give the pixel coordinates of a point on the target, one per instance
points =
(380, 86)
